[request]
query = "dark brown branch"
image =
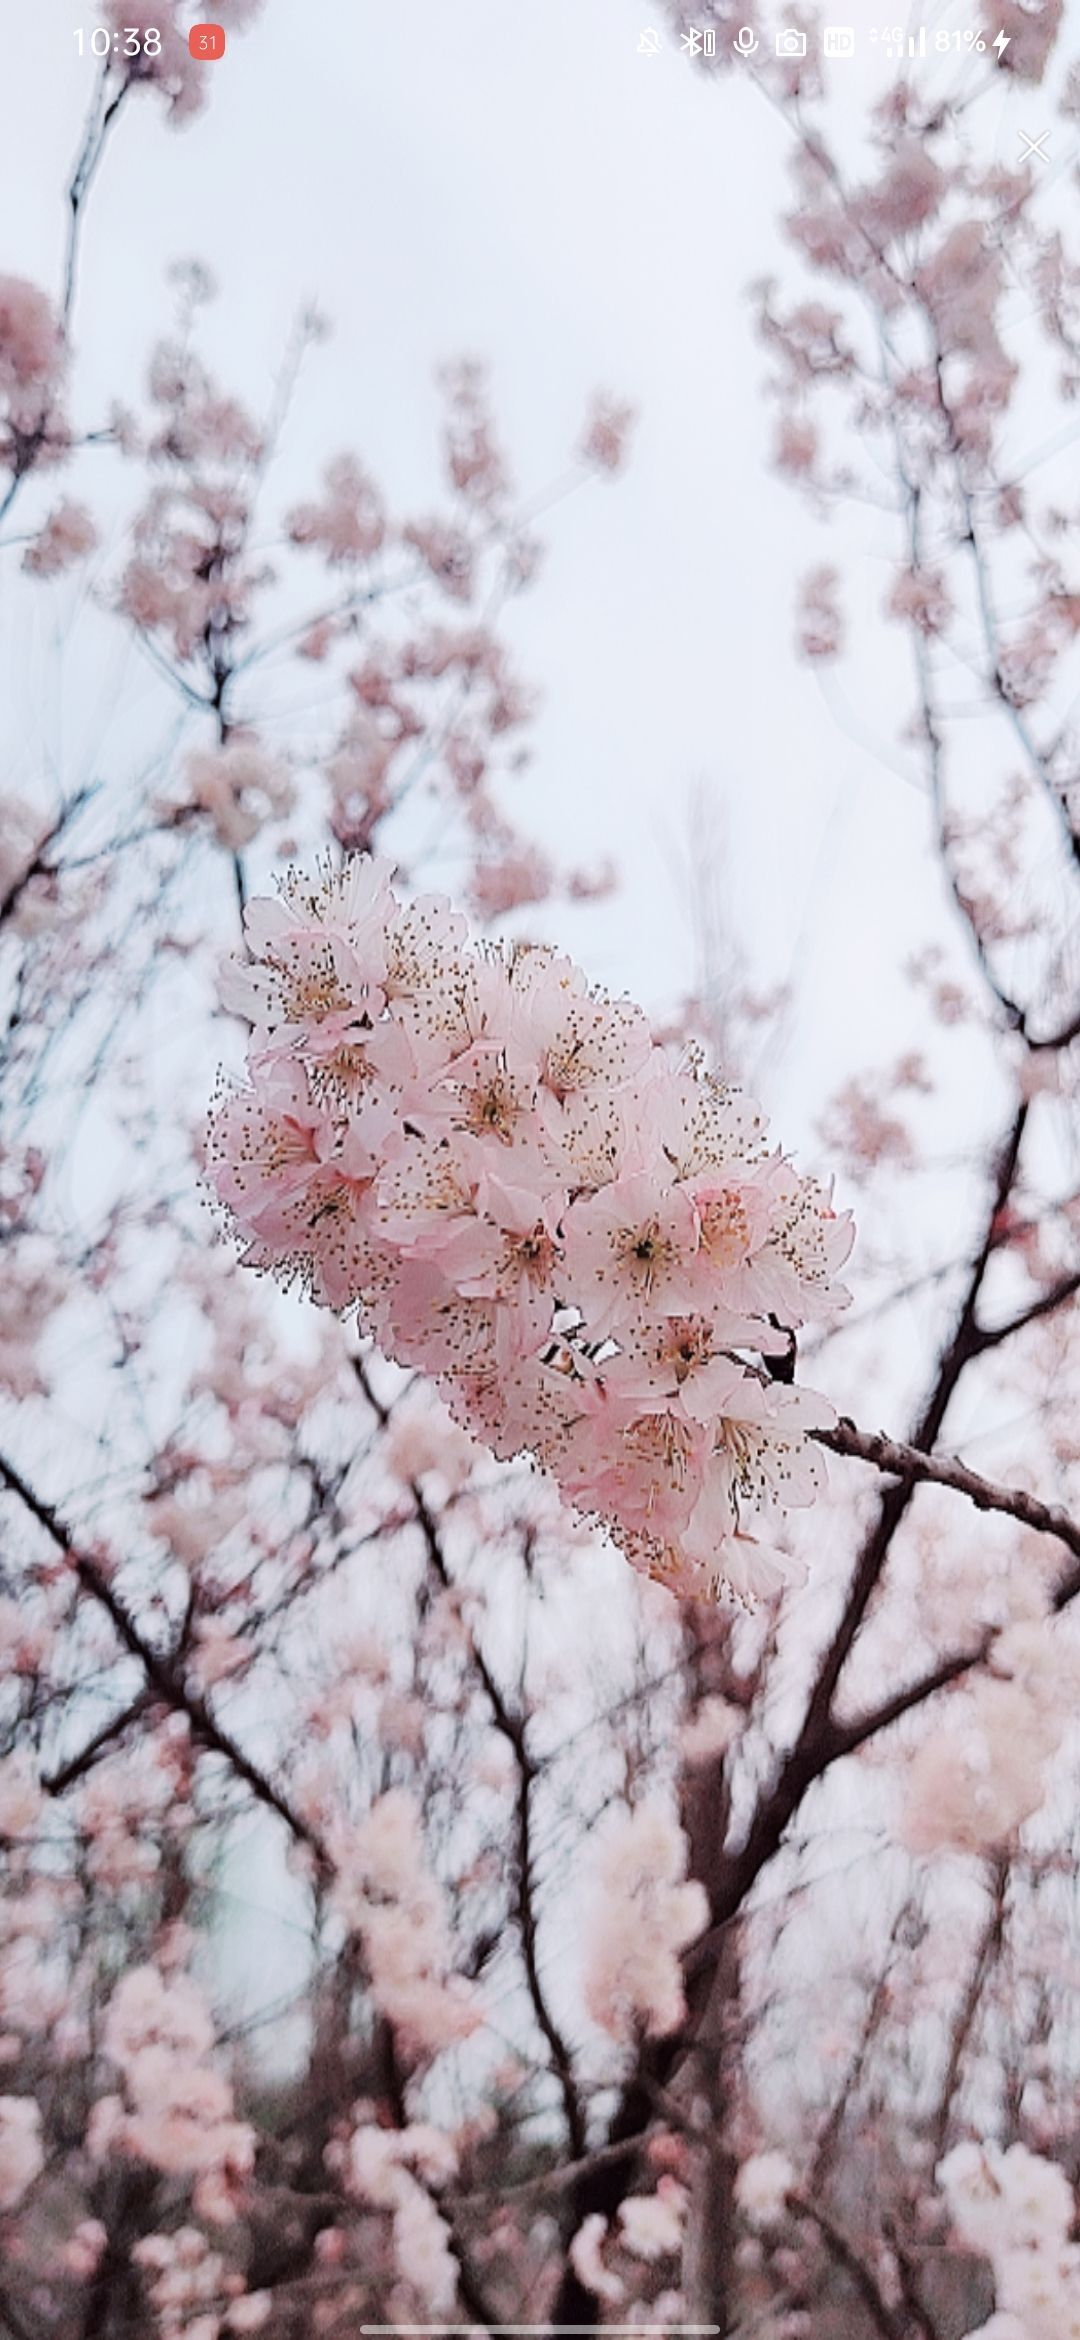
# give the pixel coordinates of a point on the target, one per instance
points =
(38, 866)
(918, 2320)
(513, 1728)
(164, 1677)
(878, 2006)
(848, 1737)
(986, 1957)
(56, 1783)
(992, 1336)
(103, 113)
(859, 2275)
(557, 2180)
(381, 1412)
(956, 1356)
(911, 1467)
(1063, 1037)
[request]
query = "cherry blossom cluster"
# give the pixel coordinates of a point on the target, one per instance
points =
(386, 1894)
(21, 2156)
(170, 67)
(397, 2172)
(762, 2187)
(1018, 2210)
(31, 367)
(423, 692)
(972, 1783)
(650, 2229)
(589, 1248)
(194, 2294)
(176, 2112)
(648, 1914)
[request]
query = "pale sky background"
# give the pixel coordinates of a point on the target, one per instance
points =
(516, 181)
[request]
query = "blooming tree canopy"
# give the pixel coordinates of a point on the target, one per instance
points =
(407, 1910)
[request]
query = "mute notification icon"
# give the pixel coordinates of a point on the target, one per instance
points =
(745, 40)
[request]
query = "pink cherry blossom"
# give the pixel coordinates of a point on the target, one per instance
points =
(67, 536)
(578, 1242)
(21, 1798)
(821, 623)
(631, 1248)
(651, 2225)
(176, 2112)
(606, 433)
(587, 2261)
(21, 2153)
(761, 2189)
(240, 786)
(396, 2173)
(386, 1893)
(349, 523)
(646, 1915)
(31, 362)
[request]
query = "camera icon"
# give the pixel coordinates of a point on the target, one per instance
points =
(790, 43)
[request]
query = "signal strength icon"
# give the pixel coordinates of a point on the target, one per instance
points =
(896, 44)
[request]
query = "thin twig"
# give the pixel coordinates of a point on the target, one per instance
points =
(99, 123)
(164, 1677)
(56, 1783)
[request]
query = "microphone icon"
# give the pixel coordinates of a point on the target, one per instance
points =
(745, 40)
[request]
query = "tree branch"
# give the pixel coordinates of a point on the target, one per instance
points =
(56, 1783)
(38, 866)
(992, 1336)
(103, 113)
(557, 2180)
(912, 1467)
(986, 1956)
(878, 2007)
(859, 2275)
(847, 1737)
(164, 1677)
(512, 1727)
(817, 1742)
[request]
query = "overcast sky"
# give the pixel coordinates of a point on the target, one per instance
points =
(517, 181)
